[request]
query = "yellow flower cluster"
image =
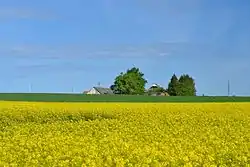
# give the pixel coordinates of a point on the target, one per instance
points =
(124, 134)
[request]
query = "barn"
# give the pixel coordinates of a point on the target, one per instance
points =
(99, 91)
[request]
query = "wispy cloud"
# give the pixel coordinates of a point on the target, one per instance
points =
(161, 49)
(41, 59)
(25, 13)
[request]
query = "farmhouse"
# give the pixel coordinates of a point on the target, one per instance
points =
(99, 91)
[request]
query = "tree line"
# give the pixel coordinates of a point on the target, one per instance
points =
(132, 82)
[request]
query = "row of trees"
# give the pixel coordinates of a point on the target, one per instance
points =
(132, 82)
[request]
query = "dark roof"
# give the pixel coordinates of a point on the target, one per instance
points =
(103, 90)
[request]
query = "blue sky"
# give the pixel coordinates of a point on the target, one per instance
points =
(71, 45)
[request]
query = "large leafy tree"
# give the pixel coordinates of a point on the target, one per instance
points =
(173, 86)
(132, 82)
(186, 86)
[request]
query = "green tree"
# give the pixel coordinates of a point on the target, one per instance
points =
(186, 86)
(173, 86)
(132, 82)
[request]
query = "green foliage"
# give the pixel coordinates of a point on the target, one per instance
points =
(131, 83)
(186, 86)
(173, 86)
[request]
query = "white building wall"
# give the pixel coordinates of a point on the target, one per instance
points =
(93, 92)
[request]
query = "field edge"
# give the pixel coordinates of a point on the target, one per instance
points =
(60, 97)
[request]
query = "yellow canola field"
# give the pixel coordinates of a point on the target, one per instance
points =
(124, 134)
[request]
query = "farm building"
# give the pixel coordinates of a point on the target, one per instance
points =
(85, 92)
(157, 90)
(154, 86)
(99, 91)
(159, 94)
